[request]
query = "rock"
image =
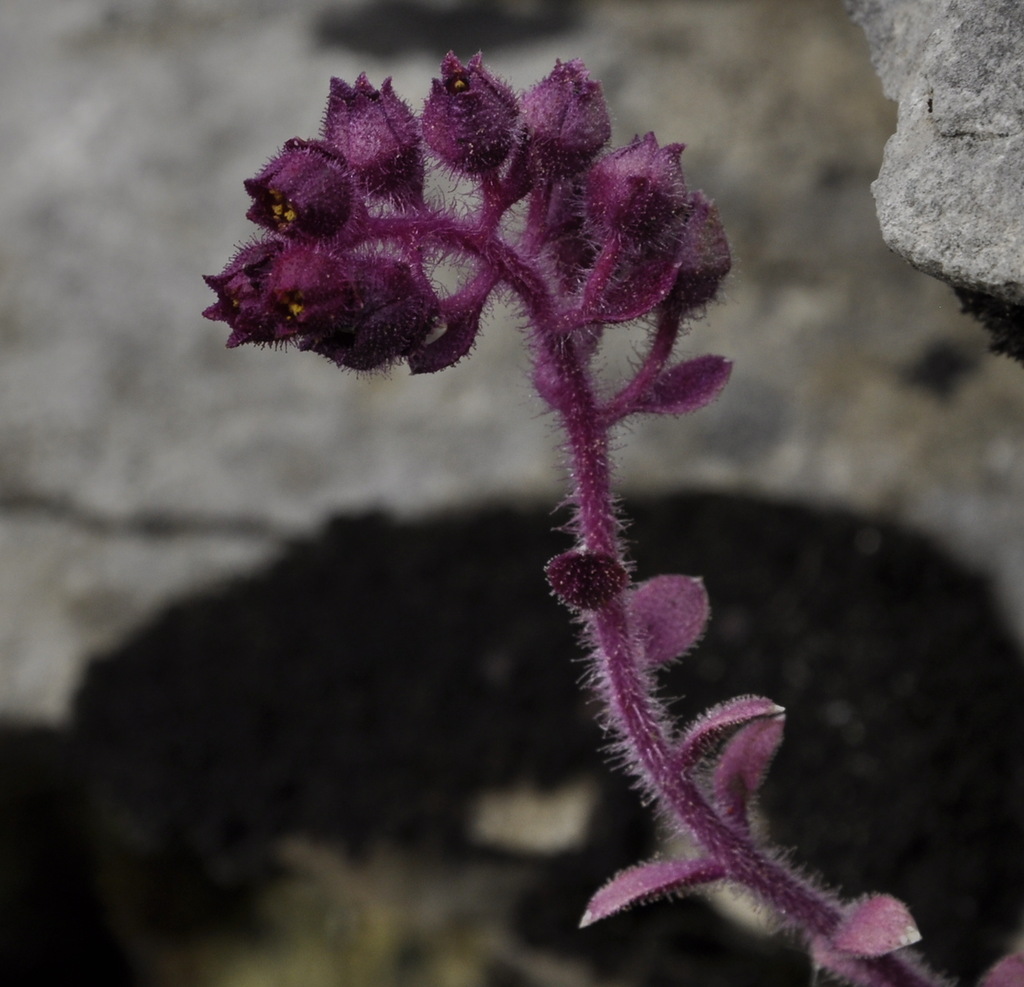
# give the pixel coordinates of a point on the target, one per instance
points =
(950, 193)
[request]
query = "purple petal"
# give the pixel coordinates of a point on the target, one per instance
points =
(646, 882)
(710, 728)
(687, 386)
(743, 764)
(671, 613)
(1008, 972)
(876, 926)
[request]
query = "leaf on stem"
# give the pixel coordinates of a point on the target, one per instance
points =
(648, 882)
(876, 926)
(687, 386)
(451, 346)
(641, 283)
(743, 765)
(1008, 972)
(711, 727)
(670, 613)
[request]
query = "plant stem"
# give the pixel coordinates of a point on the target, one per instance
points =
(641, 720)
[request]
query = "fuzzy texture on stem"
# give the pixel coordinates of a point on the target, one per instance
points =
(600, 237)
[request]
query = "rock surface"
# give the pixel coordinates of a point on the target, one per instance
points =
(950, 193)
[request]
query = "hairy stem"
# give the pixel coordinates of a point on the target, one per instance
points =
(642, 722)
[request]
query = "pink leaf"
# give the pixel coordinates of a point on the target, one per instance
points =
(687, 386)
(671, 613)
(743, 764)
(876, 926)
(647, 882)
(451, 346)
(710, 728)
(1008, 972)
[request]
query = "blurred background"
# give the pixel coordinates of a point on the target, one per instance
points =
(141, 463)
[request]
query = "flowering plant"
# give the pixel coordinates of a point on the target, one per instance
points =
(585, 239)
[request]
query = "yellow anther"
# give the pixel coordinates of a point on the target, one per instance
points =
(281, 209)
(291, 302)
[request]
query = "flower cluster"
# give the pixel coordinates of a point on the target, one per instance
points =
(350, 240)
(583, 237)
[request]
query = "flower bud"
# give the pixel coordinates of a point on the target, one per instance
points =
(567, 120)
(470, 117)
(378, 135)
(705, 255)
(242, 294)
(638, 192)
(304, 191)
(586, 580)
(361, 312)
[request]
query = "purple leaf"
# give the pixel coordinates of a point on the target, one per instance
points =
(687, 386)
(1008, 972)
(743, 764)
(711, 727)
(647, 882)
(640, 283)
(876, 926)
(451, 346)
(671, 613)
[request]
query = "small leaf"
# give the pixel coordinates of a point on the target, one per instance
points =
(647, 882)
(876, 926)
(451, 346)
(710, 728)
(1008, 972)
(743, 764)
(671, 613)
(637, 288)
(687, 386)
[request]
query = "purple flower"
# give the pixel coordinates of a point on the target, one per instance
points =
(242, 294)
(363, 312)
(705, 256)
(378, 135)
(566, 119)
(305, 191)
(470, 118)
(638, 193)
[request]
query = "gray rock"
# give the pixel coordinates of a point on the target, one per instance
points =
(950, 194)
